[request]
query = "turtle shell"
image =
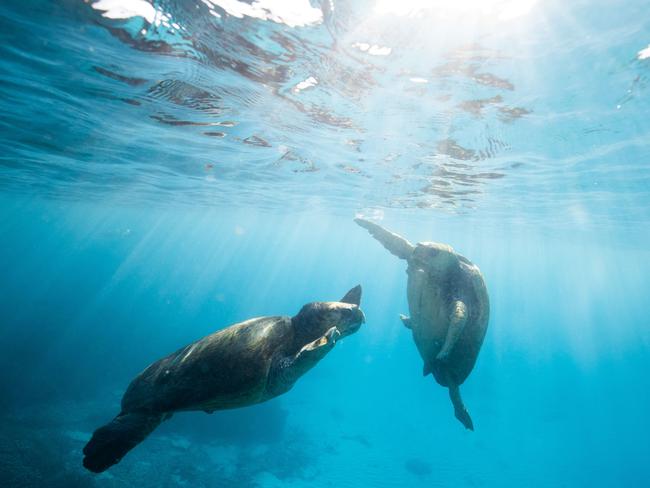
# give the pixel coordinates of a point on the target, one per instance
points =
(227, 369)
(430, 300)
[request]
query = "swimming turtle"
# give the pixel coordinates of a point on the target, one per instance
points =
(246, 363)
(449, 307)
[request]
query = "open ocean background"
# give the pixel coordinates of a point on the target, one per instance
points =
(170, 168)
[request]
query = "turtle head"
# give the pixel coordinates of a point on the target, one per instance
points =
(316, 318)
(433, 256)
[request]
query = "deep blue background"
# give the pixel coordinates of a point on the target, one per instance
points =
(91, 295)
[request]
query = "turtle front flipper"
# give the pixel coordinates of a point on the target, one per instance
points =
(286, 371)
(457, 321)
(313, 352)
(353, 296)
(396, 244)
(406, 321)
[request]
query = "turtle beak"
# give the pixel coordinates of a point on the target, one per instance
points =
(356, 316)
(357, 319)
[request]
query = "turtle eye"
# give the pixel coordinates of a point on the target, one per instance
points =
(347, 313)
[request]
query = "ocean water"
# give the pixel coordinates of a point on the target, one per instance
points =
(170, 168)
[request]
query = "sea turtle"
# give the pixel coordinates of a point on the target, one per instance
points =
(449, 307)
(243, 364)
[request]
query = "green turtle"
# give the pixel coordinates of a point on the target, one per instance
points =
(243, 364)
(449, 307)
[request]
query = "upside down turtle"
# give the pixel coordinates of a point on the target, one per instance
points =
(449, 308)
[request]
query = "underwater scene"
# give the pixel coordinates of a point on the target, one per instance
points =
(292, 243)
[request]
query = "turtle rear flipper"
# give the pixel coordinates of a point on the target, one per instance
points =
(111, 442)
(460, 412)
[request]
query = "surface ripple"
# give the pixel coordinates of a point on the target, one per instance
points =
(214, 103)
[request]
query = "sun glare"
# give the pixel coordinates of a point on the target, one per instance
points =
(500, 10)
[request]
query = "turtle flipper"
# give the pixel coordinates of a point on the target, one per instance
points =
(406, 321)
(353, 296)
(396, 244)
(111, 442)
(317, 349)
(457, 321)
(287, 370)
(460, 411)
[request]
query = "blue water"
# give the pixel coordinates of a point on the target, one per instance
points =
(169, 169)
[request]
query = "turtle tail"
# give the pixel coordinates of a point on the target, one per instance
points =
(460, 411)
(111, 442)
